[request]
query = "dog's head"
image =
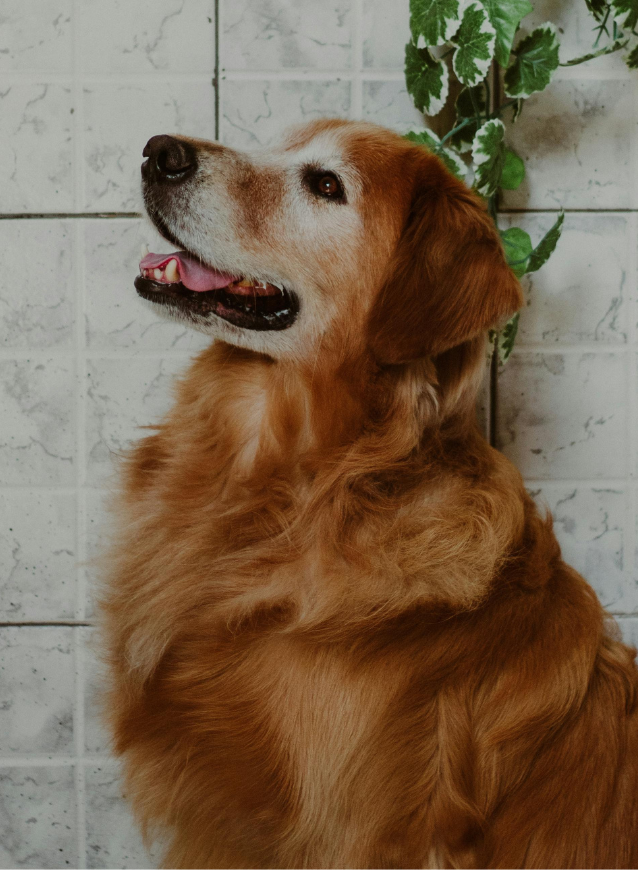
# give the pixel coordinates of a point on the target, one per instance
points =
(343, 235)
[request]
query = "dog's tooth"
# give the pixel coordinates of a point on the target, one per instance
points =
(144, 251)
(157, 274)
(171, 273)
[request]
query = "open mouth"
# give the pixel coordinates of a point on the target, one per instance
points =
(182, 281)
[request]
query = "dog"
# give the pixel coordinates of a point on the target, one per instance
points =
(338, 631)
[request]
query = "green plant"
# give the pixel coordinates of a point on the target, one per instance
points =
(494, 77)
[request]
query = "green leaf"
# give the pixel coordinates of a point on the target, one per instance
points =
(506, 339)
(427, 79)
(535, 64)
(609, 49)
(505, 16)
(488, 153)
(513, 171)
(434, 22)
(547, 245)
(625, 13)
(431, 141)
(632, 58)
(597, 8)
(518, 248)
(475, 40)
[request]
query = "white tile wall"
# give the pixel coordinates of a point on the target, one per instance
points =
(83, 362)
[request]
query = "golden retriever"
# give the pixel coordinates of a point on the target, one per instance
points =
(339, 633)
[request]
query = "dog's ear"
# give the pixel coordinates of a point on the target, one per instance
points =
(448, 280)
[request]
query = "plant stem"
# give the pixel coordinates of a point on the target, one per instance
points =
(454, 130)
(603, 26)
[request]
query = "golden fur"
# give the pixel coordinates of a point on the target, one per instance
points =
(339, 633)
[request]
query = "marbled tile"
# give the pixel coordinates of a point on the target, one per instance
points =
(37, 439)
(386, 30)
(629, 629)
(288, 34)
(120, 118)
(112, 839)
(563, 415)
(582, 292)
(36, 124)
(96, 737)
(37, 555)
(389, 104)
(163, 36)
(37, 817)
(37, 291)
(575, 139)
(37, 688)
(575, 33)
(122, 396)
(36, 36)
(116, 317)
(257, 112)
(590, 527)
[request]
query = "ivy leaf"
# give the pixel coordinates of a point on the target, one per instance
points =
(505, 16)
(488, 153)
(431, 141)
(475, 40)
(427, 79)
(597, 8)
(547, 245)
(518, 248)
(506, 339)
(434, 22)
(513, 171)
(632, 58)
(535, 64)
(625, 13)
(609, 49)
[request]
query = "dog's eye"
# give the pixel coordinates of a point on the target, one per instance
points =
(325, 184)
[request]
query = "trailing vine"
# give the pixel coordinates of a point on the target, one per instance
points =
(471, 45)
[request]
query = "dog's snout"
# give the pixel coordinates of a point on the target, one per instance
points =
(169, 159)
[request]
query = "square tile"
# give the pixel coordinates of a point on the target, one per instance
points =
(118, 36)
(120, 118)
(590, 527)
(389, 104)
(576, 140)
(257, 112)
(563, 415)
(112, 838)
(37, 444)
(121, 398)
(37, 684)
(116, 317)
(582, 293)
(36, 36)
(386, 30)
(37, 817)
(38, 555)
(289, 34)
(37, 287)
(36, 160)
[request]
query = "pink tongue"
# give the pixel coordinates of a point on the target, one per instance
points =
(192, 273)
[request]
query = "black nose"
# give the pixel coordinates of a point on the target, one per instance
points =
(169, 159)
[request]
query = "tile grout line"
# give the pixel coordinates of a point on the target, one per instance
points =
(78, 239)
(217, 70)
(356, 96)
(632, 386)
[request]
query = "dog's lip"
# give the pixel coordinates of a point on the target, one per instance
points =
(261, 312)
